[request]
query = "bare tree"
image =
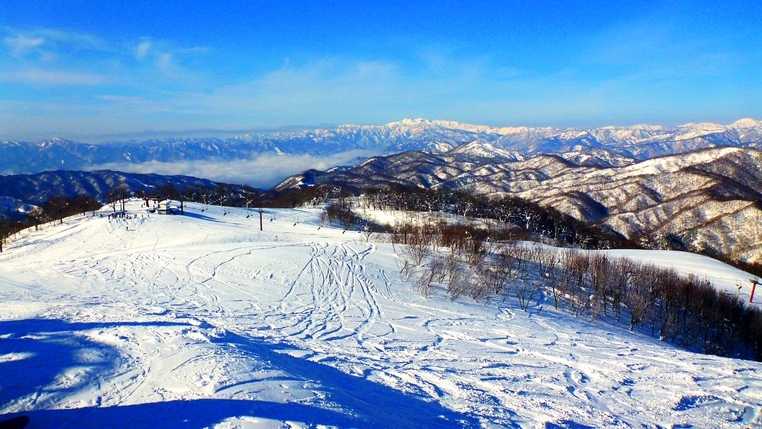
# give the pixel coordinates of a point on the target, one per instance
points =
(424, 280)
(601, 272)
(579, 264)
(623, 271)
(640, 297)
(118, 195)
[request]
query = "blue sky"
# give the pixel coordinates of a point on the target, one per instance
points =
(100, 70)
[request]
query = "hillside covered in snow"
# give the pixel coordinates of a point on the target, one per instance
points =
(203, 320)
(708, 200)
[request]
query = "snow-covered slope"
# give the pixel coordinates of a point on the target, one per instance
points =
(204, 321)
(485, 150)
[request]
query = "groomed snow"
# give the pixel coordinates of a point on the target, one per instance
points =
(204, 321)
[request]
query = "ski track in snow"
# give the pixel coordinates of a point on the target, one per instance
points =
(204, 320)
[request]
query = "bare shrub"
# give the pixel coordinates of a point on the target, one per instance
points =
(416, 246)
(458, 281)
(423, 282)
(476, 249)
(562, 284)
(577, 263)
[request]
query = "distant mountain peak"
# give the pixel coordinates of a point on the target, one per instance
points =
(647, 127)
(409, 122)
(703, 127)
(746, 123)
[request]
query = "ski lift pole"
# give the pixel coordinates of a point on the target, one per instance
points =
(754, 283)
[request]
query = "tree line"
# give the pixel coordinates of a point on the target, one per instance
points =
(687, 311)
(504, 216)
(487, 262)
(512, 218)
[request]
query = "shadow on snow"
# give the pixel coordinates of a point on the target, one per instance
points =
(199, 216)
(44, 359)
(39, 351)
(374, 405)
(193, 414)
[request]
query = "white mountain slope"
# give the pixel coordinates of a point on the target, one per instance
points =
(641, 141)
(485, 150)
(708, 197)
(203, 321)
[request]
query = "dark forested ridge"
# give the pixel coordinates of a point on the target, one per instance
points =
(34, 189)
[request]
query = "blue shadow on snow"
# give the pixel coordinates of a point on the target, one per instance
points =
(50, 347)
(374, 404)
(198, 216)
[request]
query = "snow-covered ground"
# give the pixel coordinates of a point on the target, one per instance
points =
(204, 321)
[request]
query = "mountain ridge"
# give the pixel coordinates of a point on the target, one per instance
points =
(710, 199)
(20, 193)
(434, 136)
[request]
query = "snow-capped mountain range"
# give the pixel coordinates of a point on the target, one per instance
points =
(639, 142)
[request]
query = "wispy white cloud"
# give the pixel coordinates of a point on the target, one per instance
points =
(52, 57)
(341, 90)
(164, 61)
(74, 39)
(20, 45)
(49, 57)
(54, 78)
(49, 43)
(149, 83)
(659, 48)
(375, 68)
(142, 49)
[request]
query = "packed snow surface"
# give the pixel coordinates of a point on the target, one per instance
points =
(204, 321)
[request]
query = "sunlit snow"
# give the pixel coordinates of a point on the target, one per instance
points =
(204, 321)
